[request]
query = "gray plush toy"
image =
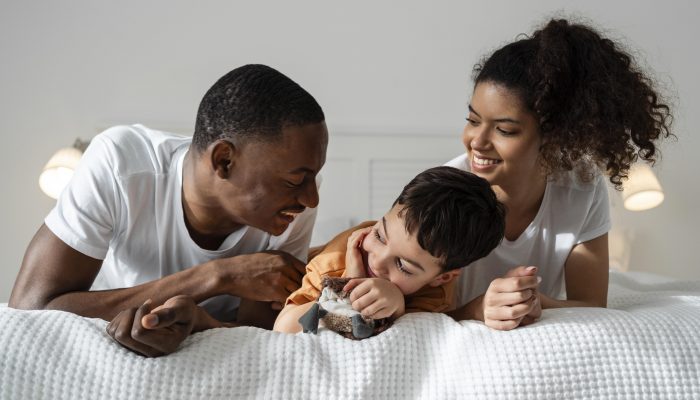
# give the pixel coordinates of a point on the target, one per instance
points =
(334, 309)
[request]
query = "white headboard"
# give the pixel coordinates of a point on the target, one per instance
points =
(364, 173)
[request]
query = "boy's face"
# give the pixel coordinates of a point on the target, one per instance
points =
(389, 252)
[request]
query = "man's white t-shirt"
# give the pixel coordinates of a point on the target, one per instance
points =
(124, 206)
(571, 212)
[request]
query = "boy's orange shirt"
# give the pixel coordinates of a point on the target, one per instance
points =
(331, 262)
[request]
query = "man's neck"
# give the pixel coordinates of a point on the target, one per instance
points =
(201, 212)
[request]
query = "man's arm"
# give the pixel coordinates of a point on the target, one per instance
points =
(55, 276)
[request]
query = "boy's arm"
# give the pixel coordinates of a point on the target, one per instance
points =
(288, 320)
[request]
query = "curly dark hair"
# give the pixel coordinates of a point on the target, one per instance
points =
(454, 214)
(594, 104)
(253, 101)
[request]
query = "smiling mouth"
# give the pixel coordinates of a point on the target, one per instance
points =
(485, 161)
(290, 214)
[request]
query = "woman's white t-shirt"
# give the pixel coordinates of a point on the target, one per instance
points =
(571, 212)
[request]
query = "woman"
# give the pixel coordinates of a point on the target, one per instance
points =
(549, 114)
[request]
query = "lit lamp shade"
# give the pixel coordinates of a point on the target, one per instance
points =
(642, 190)
(58, 171)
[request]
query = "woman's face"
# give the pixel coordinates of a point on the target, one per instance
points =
(502, 137)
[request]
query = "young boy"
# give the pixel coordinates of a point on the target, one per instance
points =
(443, 220)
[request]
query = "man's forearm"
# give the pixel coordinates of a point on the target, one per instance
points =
(200, 282)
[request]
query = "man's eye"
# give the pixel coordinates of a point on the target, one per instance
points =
(294, 185)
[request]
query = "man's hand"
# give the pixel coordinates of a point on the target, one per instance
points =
(376, 298)
(354, 266)
(159, 331)
(512, 301)
(269, 276)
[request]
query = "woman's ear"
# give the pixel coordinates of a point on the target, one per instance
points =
(445, 277)
(222, 157)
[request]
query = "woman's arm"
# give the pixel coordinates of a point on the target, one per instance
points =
(586, 276)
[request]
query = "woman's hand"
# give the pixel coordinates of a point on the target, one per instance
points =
(513, 300)
(376, 298)
(354, 265)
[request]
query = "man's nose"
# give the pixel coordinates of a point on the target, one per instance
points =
(309, 196)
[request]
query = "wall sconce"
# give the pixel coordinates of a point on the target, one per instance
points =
(641, 191)
(59, 170)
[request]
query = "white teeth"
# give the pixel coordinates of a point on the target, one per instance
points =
(289, 214)
(485, 161)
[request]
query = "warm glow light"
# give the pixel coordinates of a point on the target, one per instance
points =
(642, 190)
(58, 171)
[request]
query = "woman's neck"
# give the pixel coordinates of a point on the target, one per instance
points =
(522, 202)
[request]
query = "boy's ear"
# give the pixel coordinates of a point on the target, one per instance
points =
(222, 158)
(445, 277)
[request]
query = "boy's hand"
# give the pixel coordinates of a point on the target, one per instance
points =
(512, 301)
(354, 266)
(376, 298)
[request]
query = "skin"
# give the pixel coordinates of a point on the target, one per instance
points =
(501, 130)
(226, 186)
(389, 264)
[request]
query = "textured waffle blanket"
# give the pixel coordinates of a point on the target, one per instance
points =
(645, 346)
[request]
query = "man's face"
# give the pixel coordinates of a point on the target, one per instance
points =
(271, 182)
(390, 252)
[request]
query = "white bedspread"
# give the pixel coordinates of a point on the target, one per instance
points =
(646, 345)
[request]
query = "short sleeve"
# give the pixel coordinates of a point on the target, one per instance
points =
(431, 299)
(597, 221)
(329, 264)
(85, 214)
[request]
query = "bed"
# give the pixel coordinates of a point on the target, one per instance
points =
(646, 345)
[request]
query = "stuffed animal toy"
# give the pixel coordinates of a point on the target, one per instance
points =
(334, 309)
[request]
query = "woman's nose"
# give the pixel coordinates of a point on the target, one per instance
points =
(476, 137)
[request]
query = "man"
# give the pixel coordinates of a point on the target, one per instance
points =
(150, 218)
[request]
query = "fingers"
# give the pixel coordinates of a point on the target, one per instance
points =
(521, 271)
(375, 310)
(359, 287)
(120, 329)
(503, 325)
(509, 298)
(352, 284)
(509, 312)
(514, 284)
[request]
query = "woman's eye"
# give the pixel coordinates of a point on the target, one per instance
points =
(472, 121)
(504, 132)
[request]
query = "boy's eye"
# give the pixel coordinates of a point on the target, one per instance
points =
(400, 266)
(376, 234)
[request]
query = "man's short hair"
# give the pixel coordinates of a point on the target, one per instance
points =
(253, 101)
(454, 214)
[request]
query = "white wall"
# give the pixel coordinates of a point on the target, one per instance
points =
(70, 68)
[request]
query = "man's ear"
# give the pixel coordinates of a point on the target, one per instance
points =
(223, 156)
(445, 277)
